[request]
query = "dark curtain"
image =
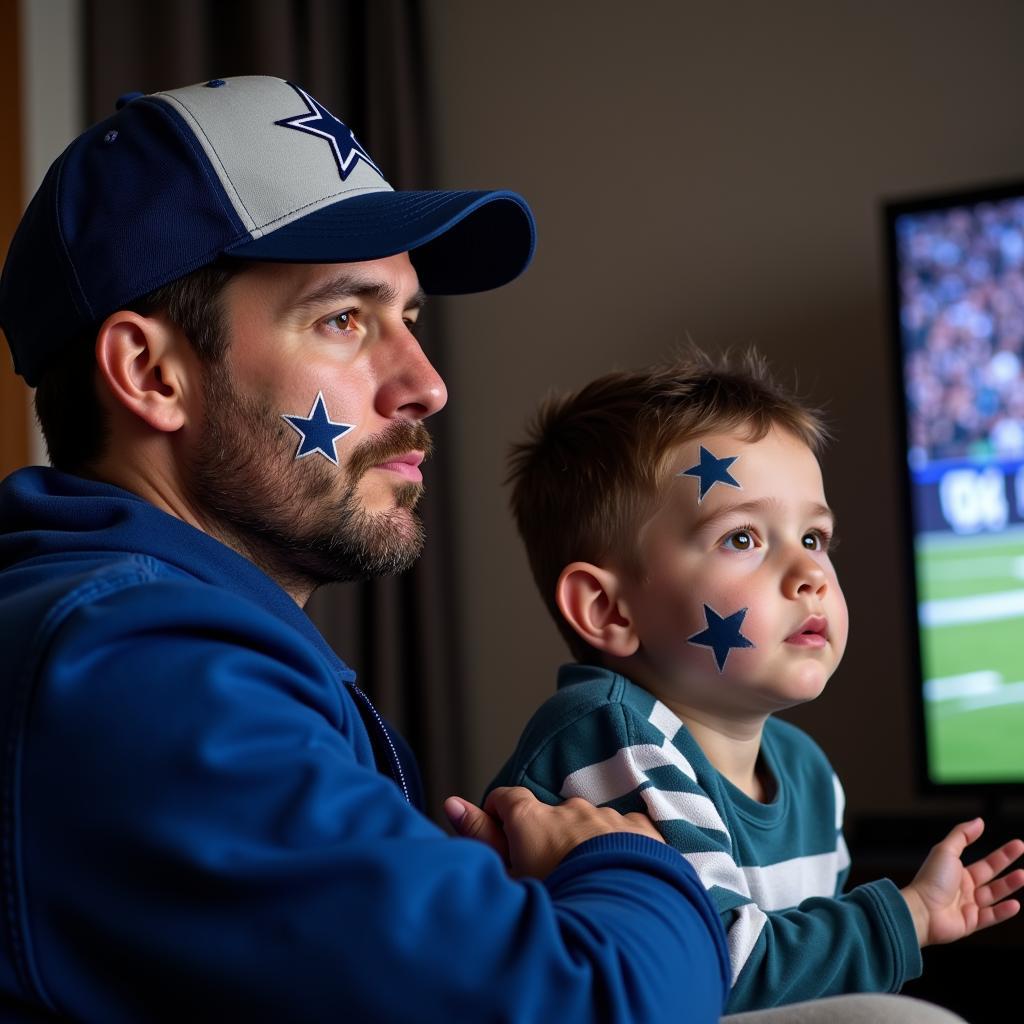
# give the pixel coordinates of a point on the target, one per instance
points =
(364, 60)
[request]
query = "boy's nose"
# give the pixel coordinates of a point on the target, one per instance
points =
(805, 578)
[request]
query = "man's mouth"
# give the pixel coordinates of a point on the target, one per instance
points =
(406, 465)
(813, 632)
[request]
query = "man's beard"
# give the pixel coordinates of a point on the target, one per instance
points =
(286, 514)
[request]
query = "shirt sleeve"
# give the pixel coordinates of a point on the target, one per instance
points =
(860, 942)
(863, 941)
(194, 835)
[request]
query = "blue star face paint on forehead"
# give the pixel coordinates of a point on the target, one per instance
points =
(721, 635)
(711, 471)
(317, 431)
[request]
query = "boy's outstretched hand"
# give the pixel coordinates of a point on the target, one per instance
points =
(948, 900)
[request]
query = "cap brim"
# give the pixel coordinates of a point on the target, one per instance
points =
(459, 242)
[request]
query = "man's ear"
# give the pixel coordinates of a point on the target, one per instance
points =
(142, 361)
(592, 602)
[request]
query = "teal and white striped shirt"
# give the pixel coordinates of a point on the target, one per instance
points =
(776, 870)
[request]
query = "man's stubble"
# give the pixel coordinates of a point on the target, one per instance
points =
(300, 520)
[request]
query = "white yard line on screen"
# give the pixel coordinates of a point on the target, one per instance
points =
(1008, 693)
(969, 684)
(988, 567)
(958, 611)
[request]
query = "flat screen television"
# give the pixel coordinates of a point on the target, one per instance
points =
(956, 277)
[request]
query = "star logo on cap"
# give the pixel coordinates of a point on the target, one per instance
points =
(722, 635)
(711, 471)
(322, 124)
(317, 432)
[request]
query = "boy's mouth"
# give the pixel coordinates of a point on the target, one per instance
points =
(813, 632)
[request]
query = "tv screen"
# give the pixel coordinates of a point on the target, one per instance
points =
(956, 266)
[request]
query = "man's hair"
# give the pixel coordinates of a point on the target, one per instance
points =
(70, 414)
(594, 463)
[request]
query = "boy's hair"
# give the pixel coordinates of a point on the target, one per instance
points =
(70, 415)
(593, 466)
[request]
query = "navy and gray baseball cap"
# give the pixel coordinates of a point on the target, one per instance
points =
(250, 167)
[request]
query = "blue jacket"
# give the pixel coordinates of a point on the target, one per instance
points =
(194, 825)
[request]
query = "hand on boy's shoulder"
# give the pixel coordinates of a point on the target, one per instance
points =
(534, 837)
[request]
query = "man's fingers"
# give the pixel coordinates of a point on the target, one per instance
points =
(470, 821)
(503, 802)
(539, 835)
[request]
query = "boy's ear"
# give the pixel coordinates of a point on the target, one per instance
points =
(592, 602)
(141, 360)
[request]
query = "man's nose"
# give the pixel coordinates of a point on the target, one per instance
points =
(409, 387)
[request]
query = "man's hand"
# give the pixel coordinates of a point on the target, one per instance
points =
(948, 901)
(534, 837)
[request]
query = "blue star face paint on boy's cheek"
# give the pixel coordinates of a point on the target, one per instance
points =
(317, 431)
(711, 471)
(721, 635)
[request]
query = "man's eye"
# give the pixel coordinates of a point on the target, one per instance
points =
(741, 540)
(344, 321)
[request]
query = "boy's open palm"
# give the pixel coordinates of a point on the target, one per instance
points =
(949, 900)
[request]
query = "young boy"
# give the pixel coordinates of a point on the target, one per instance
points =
(676, 523)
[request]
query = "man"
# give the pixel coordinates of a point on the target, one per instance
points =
(215, 292)
(204, 818)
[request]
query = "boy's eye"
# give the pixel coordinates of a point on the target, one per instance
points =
(741, 540)
(815, 541)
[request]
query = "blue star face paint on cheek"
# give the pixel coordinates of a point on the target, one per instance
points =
(711, 471)
(317, 431)
(722, 634)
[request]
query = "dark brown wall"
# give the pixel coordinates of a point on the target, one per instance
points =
(711, 172)
(13, 393)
